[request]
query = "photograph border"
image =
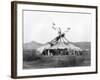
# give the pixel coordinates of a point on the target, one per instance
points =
(14, 37)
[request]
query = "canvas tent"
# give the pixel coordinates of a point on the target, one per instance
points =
(59, 45)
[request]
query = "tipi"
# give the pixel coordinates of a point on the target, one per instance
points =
(59, 45)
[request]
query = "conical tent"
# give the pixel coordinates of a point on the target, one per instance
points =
(46, 46)
(59, 45)
(59, 42)
(68, 46)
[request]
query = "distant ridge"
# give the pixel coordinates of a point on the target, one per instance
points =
(35, 45)
(32, 45)
(83, 45)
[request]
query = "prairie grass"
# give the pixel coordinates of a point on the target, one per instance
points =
(33, 61)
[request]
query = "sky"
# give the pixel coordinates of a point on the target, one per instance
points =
(37, 26)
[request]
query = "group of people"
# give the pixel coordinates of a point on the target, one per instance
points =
(52, 52)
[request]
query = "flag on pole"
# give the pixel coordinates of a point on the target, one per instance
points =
(68, 28)
(53, 26)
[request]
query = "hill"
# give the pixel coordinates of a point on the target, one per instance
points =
(32, 45)
(83, 45)
(35, 45)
